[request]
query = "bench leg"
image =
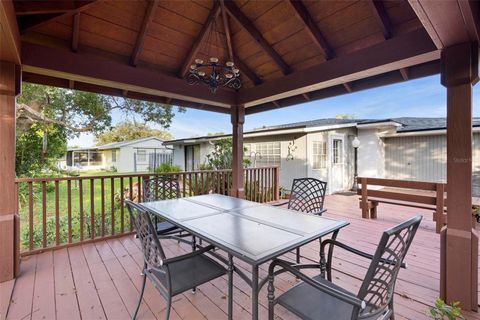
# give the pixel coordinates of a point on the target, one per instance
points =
(373, 211)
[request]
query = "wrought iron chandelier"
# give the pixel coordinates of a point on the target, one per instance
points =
(213, 73)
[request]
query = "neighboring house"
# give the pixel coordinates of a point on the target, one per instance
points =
(398, 148)
(137, 155)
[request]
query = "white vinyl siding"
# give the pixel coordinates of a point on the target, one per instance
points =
(319, 155)
(142, 156)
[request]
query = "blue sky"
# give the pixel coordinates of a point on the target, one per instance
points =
(417, 98)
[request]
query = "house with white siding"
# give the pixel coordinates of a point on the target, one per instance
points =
(398, 148)
(139, 155)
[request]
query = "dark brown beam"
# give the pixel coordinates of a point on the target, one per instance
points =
(348, 86)
(10, 45)
(147, 20)
(312, 28)
(381, 17)
(75, 31)
(84, 67)
(448, 22)
(276, 104)
(200, 38)
(389, 78)
(63, 83)
(306, 96)
(248, 26)
(244, 69)
(404, 73)
(71, 84)
(402, 51)
(45, 7)
(27, 23)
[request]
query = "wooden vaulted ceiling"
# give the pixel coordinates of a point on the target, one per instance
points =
(282, 47)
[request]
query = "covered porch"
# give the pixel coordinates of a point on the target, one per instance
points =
(110, 48)
(101, 280)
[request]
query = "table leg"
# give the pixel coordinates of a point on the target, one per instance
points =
(230, 286)
(255, 292)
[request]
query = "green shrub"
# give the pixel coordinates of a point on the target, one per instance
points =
(443, 311)
(168, 168)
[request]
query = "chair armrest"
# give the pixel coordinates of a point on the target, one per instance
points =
(279, 204)
(356, 251)
(348, 298)
(188, 255)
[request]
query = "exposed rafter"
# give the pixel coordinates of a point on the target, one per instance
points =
(71, 84)
(75, 31)
(381, 17)
(348, 86)
(312, 28)
(276, 104)
(29, 22)
(404, 73)
(200, 38)
(147, 20)
(248, 26)
(306, 96)
(27, 7)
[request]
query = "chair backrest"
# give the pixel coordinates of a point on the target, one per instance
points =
(161, 188)
(378, 286)
(307, 195)
(152, 249)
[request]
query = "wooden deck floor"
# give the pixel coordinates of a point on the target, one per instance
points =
(102, 280)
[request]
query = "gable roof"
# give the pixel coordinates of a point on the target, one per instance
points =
(116, 145)
(414, 124)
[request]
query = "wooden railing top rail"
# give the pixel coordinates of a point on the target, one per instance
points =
(131, 175)
(405, 184)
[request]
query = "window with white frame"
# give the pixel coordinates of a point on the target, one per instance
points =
(265, 154)
(114, 155)
(142, 155)
(337, 151)
(319, 154)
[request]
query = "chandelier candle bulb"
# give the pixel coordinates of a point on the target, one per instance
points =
(229, 64)
(198, 61)
(213, 59)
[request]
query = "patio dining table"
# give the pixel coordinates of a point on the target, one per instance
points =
(249, 231)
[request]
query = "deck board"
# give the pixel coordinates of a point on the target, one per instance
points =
(102, 280)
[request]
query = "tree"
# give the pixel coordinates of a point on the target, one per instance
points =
(130, 130)
(221, 156)
(345, 116)
(48, 116)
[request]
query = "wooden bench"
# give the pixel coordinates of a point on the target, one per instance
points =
(416, 194)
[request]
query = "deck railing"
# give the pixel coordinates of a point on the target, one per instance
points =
(59, 212)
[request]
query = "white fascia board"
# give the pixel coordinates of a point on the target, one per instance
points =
(378, 125)
(422, 133)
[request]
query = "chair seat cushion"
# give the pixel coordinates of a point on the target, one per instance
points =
(191, 272)
(310, 303)
(165, 226)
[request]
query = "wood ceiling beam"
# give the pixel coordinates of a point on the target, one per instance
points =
(244, 69)
(449, 22)
(249, 27)
(147, 20)
(306, 96)
(200, 38)
(404, 73)
(376, 81)
(10, 46)
(399, 52)
(82, 67)
(30, 22)
(348, 87)
(276, 104)
(45, 7)
(312, 28)
(75, 31)
(382, 18)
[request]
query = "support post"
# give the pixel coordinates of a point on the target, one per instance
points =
(238, 119)
(459, 243)
(9, 219)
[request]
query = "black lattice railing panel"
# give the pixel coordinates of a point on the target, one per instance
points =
(151, 247)
(307, 195)
(378, 287)
(161, 188)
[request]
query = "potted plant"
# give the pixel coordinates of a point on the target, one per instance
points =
(443, 311)
(475, 215)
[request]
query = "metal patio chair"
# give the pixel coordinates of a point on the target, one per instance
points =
(319, 298)
(161, 188)
(307, 195)
(170, 276)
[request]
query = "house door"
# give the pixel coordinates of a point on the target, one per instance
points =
(192, 157)
(337, 163)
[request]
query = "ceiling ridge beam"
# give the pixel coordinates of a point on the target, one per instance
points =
(27, 23)
(75, 31)
(249, 27)
(147, 20)
(381, 16)
(312, 28)
(200, 38)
